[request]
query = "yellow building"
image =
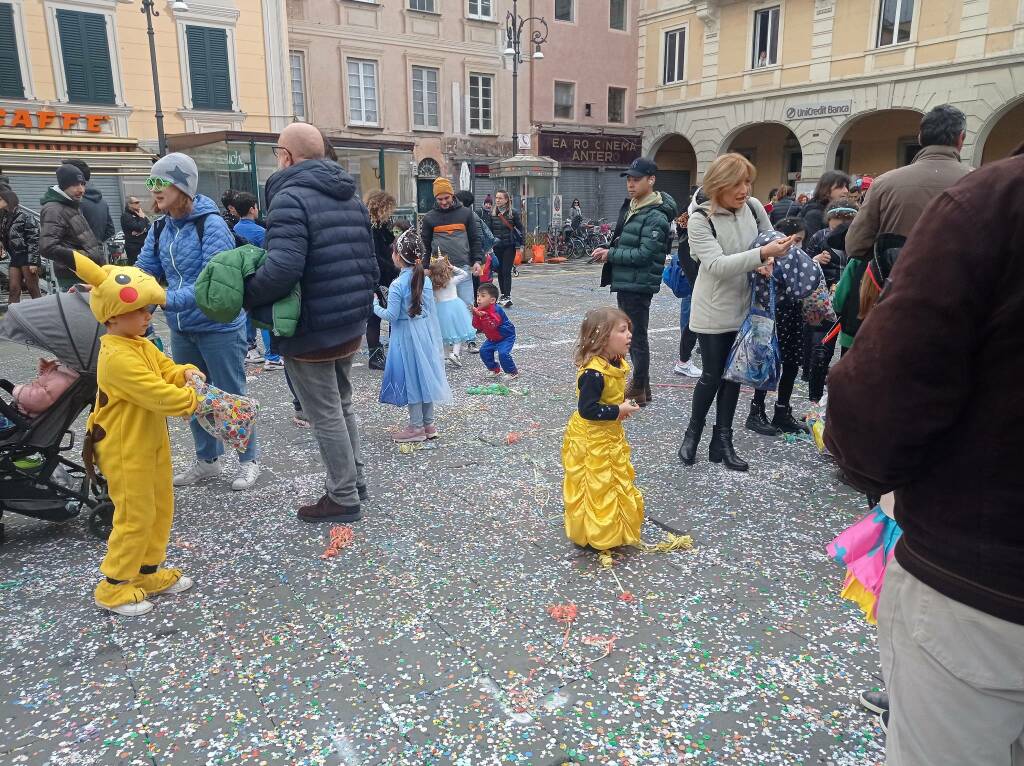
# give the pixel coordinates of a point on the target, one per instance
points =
(76, 81)
(801, 86)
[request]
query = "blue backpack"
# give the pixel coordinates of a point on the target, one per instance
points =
(675, 279)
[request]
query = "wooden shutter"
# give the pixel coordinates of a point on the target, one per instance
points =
(86, 54)
(11, 85)
(208, 68)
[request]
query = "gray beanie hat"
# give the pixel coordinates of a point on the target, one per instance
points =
(180, 170)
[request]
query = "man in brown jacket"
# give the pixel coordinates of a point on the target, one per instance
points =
(927, 403)
(63, 228)
(897, 198)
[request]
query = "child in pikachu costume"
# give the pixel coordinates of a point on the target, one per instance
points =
(139, 388)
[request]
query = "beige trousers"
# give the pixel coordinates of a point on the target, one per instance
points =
(955, 678)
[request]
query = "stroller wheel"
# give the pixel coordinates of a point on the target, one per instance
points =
(101, 520)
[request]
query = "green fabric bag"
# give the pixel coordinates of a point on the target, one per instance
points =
(220, 290)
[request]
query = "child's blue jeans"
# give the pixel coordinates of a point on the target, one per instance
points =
(504, 350)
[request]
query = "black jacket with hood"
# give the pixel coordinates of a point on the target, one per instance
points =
(97, 213)
(318, 236)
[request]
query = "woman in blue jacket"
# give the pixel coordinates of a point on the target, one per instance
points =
(177, 248)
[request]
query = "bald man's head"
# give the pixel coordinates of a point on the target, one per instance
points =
(303, 142)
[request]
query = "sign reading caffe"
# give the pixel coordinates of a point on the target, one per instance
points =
(47, 120)
(590, 149)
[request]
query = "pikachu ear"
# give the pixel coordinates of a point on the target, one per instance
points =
(89, 271)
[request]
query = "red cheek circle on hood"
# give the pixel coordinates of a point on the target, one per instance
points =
(128, 295)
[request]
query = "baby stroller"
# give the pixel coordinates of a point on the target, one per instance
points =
(36, 479)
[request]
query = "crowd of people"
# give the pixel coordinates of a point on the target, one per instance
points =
(916, 410)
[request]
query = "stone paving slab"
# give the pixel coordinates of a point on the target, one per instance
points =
(428, 640)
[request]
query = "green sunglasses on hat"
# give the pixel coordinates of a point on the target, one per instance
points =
(158, 184)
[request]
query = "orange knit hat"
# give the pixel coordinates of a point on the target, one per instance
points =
(443, 186)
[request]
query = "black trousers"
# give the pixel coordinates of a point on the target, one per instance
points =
(787, 379)
(507, 256)
(714, 349)
(686, 343)
(637, 306)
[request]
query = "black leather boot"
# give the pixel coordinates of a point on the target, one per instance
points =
(691, 440)
(757, 421)
(785, 422)
(722, 451)
(637, 393)
(378, 358)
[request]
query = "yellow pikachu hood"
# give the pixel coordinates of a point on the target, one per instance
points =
(117, 290)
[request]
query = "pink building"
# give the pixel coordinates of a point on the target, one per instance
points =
(582, 97)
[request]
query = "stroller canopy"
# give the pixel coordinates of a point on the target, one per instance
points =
(62, 324)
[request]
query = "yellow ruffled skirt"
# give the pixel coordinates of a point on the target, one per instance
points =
(603, 509)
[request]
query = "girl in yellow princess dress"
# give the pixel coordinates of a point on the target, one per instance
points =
(603, 509)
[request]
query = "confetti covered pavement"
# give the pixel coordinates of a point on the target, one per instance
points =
(456, 624)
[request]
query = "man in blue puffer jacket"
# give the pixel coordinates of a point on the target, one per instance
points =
(175, 253)
(318, 236)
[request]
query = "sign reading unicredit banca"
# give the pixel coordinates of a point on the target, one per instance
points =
(822, 109)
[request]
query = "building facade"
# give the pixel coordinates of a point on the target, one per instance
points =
(802, 86)
(423, 79)
(583, 98)
(76, 81)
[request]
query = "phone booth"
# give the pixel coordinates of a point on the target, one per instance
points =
(533, 182)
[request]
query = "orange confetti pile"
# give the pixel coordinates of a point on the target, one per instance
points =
(341, 537)
(565, 613)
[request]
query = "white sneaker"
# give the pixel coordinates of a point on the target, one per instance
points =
(455, 359)
(129, 610)
(273, 364)
(200, 471)
(689, 369)
(183, 584)
(253, 356)
(247, 476)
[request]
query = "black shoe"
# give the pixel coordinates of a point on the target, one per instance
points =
(784, 421)
(757, 421)
(326, 509)
(876, 702)
(691, 440)
(378, 358)
(722, 451)
(364, 494)
(883, 721)
(647, 393)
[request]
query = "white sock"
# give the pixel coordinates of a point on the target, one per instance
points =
(457, 349)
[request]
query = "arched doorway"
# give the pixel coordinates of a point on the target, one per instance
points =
(878, 141)
(426, 172)
(1005, 135)
(677, 168)
(775, 151)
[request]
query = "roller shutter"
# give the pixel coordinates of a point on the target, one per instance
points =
(581, 183)
(677, 184)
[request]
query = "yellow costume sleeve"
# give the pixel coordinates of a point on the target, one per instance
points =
(174, 373)
(129, 378)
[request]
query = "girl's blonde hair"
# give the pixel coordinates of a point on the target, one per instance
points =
(441, 271)
(725, 172)
(597, 327)
(381, 205)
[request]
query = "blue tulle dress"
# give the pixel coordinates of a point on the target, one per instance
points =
(414, 372)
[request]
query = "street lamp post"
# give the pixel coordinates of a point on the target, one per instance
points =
(514, 24)
(150, 11)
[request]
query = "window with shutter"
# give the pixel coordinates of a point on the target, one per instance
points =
(208, 69)
(11, 85)
(86, 54)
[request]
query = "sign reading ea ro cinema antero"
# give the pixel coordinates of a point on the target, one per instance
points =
(590, 149)
(823, 109)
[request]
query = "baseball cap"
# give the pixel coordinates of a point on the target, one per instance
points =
(641, 167)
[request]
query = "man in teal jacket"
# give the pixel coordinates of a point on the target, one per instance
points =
(634, 262)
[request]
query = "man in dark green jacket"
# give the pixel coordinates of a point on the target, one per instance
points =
(635, 261)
